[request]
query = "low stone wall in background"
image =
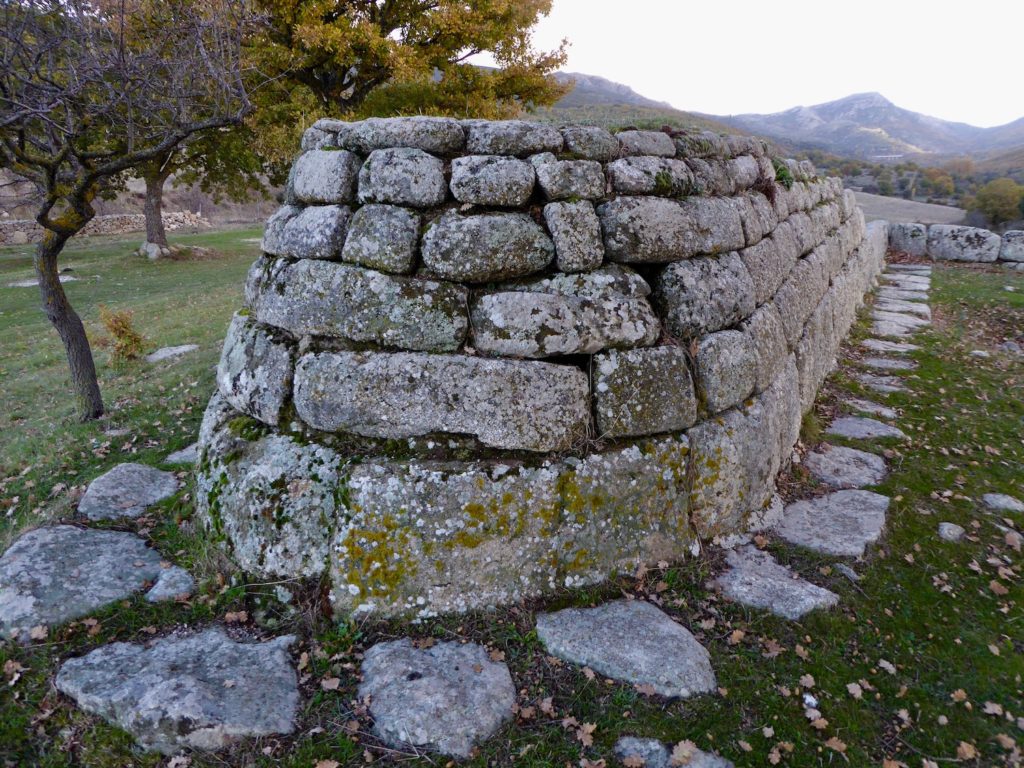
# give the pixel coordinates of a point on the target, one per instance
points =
(22, 231)
(947, 242)
(482, 360)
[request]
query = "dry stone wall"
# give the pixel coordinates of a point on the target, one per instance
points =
(21, 231)
(949, 242)
(482, 360)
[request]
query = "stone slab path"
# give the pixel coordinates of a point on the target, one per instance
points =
(651, 753)
(200, 691)
(901, 294)
(755, 579)
(842, 523)
(875, 409)
(889, 347)
(863, 428)
(889, 364)
(50, 576)
(841, 467)
(448, 697)
(913, 307)
(658, 652)
(126, 491)
(883, 384)
(167, 353)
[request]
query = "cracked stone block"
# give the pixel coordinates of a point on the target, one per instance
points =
(383, 237)
(127, 490)
(753, 578)
(403, 176)
(576, 233)
(702, 295)
(726, 369)
(255, 370)
(486, 247)
(643, 392)
(492, 180)
(325, 176)
(315, 232)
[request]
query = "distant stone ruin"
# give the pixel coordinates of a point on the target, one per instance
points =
(484, 360)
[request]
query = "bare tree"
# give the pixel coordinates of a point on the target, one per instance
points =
(90, 90)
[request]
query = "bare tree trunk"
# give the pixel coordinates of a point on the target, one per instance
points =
(155, 175)
(69, 327)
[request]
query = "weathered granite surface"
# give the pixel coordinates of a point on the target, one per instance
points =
(127, 490)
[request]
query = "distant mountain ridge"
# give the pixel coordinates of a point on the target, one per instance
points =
(868, 125)
(591, 90)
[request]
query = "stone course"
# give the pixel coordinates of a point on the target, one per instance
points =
(610, 337)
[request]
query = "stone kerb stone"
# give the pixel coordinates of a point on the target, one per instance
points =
(480, 360)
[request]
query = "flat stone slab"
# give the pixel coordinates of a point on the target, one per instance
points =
(883, 384)
(199, 691)
(448, 697)
(912, 307)
(951, 532)
(900, 294)
(756, 580)
(187, 455)
(888, 364)
(632, 641)
(1001, 502)
(889, 347)
(899, 318)
(923, 268)
(172, 583)
(52, 575)
(842, 523)
(867, 406)
(863, 428)
(654, 754)
(166, 353)
(893, 330)
(126, 491)
(842, 467)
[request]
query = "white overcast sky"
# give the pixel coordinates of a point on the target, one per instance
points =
(959, 60)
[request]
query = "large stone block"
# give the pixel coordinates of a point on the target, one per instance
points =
(491, 246)
(316, 232)
(576, 232)
(404, 176)
(515, 324)
(769, 337)
(563, 179)
(770, 261)
(510, 137)
(590, 143)
(744, 171)
(327, 299)
(654, 143)
(325, 176)
(703, 144)
(711, 176)
(519, 405)
(274, 500)
(726, 369)
(255, 371)
(706, 294)
(798, 297)
(492, 180)
(735, 457)
(425, 537)
(1012, 247)
(382, 237)
(757, 216)
(948, 242)
(437, 135)
(911, 239)
(646, 175)
(653, 229)
(643, 392)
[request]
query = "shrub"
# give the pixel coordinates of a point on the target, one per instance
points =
(125, 342)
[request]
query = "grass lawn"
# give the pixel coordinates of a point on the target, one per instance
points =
(921, 664)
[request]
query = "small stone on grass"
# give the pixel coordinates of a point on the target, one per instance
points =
(187, 455)
(448, 697)
(842, 467)
(842, 523)
(1001, 502)
(172, 583)
(889, 347)
(126, 491)
(631, 641)
(951, 532)
(756, 580)
(654, 754)
(888, 364)
(867, 406)
(863, 428)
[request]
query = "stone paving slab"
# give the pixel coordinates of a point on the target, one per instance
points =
(756, 580)
(924, 268)
(126, 491)
(1001, 502)
(893, 330)
(875, 409)
(863, 428)
(52, 575)
(889, 347)
(888, 364)
(448, 697)
(899, 318)
(909, 307)
(883, 384)
(187, 455)
(199, 691)
(631, 641)
(842, 523)
(654, 754)
(842, 467)
(900, 294)
(167, 353)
